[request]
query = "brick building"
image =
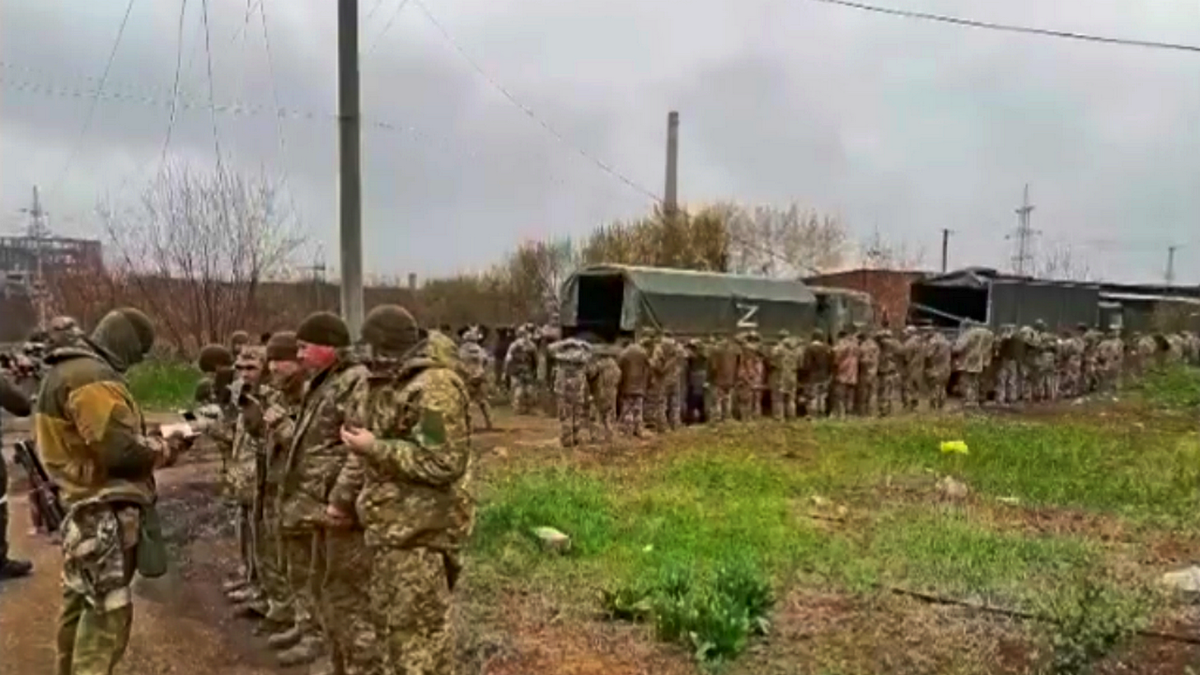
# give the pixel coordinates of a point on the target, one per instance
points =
(889, 289)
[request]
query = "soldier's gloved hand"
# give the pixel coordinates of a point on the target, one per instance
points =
(357, 439)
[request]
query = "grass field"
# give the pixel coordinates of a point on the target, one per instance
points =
(724, 541)
(163, 385)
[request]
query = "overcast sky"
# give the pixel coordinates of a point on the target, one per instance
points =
(898, 125)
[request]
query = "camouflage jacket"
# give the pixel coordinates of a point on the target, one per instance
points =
(571, 357)
(939, 357)
(845, 360)
(913, 358)
(604, 379)
(784, 363)
(750, 366)
(868, 359)
(889, 354)
(476, 362)
(90, 432)
(316, 457)
(415, 478)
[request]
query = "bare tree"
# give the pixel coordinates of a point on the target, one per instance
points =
(535, 273)
(1061, 263)
(199, 245)
(879, 253)
(783, 242)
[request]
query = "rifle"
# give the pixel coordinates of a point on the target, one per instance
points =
(45, 492)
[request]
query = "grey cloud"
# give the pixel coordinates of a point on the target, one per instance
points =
(898, 125)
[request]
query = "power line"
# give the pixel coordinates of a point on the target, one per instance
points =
(602, 165)
(175, 86)
(211, 97)
(387, 26)
(1044, 32)
(282, 137)
(87, 120)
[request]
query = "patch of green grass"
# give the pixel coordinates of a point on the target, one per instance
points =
(661, 534)
(163, 385)
(1176, 387)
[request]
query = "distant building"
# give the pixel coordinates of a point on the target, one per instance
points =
(18, 275)
(889, 289)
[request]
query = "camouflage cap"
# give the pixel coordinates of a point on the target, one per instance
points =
(213, 357)
(238, 338)
(324, 328)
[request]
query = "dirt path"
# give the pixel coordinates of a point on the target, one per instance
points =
(171, 635)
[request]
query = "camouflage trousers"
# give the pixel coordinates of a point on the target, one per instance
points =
(411, 594)
(889, 391)
(631, 414)
(937, 390)
(272, 568)
(99, 558)
(345, 603)
(572, 411)
(910, 392)
(244, 530)
(653, 408)
(4, 511)
(301, 562)
(841, 399)
(749, 404)
(867, 396)
(1071, 383)
(722, 405)
(524, 394)
(673, 403)
(1088, 382)
(783, 403)
(818, 399)
(969, 388)
(1008, 383)
(481, 394)
(602, 417)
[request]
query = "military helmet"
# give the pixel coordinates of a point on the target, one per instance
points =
(214, 357)
(324, 328)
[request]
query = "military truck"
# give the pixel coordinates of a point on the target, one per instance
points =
(604, 302)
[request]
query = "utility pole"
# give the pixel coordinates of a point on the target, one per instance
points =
(1024, 235)
(350, 169)
(37, 230)
(670, 192)
(1170, 276)
(317, 277)
(946, 232)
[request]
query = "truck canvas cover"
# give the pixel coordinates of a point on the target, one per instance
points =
(611, 299)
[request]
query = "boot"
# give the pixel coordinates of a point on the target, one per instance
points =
(280, 612)
(286, 639)
(307, 651)
(244, 594)
(13, 569)
(251, 609)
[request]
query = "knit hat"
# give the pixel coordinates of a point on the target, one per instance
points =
(214, 356)
(390, 329)
(283, 347)
(324, 328)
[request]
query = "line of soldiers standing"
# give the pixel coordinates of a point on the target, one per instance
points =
(350, 467)
(656, 381)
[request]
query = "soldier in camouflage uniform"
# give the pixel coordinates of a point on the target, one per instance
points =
(571, 358)
(1043, 348)
(696, 383)
(750, 378)
(277, 404)
(14, 401)
(818, 373)
(723, 369)
(867, 391)
(912, 364)
(889, 372)
(92, 442)
(604, 382)
(1071, 384)
(238, 339)
(64, 331)
(1111, 355)
(654, 413)
(782, 378)
(939, 359)
(1091, 343)
(676, 359)
(328, 583)
(974, 349)
(477, 364)
(845, 379)
(521, 366)
(634, 363)
(413, 444)
(1030, 377)
(1008, 371)
(242, 475)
